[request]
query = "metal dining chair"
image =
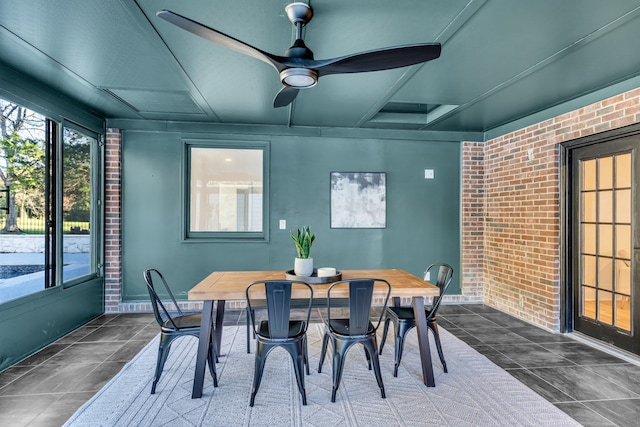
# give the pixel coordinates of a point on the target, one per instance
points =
(404, 319)
(279, 329)
(356, 327)
(174, 326)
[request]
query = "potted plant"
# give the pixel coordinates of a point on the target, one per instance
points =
(303, 239)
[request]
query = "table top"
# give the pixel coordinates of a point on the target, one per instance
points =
(231, 285)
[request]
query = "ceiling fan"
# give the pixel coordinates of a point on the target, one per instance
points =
(297, 68)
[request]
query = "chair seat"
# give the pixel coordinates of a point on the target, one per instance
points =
(341, 327)
(405, 313)
(183, 322)
(297, 328)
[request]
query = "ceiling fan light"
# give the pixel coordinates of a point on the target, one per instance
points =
(300, 78)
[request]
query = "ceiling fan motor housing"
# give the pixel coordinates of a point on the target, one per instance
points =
(299, 78)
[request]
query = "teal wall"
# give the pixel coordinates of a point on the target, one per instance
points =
(423, 216)
(29, 323)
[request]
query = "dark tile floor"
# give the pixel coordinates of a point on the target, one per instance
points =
(594, 387)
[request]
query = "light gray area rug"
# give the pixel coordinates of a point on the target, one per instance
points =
(475, 392)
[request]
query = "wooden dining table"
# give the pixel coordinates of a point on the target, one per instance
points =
(221, 286)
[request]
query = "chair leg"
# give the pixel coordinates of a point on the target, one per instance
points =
(366, 354)
(339, 351)
(434, 328)
(305, 349)
(212, 340)
(323, 352)
(297, 355)
(212, 364)
(384, 334)
(248, 331)
(257, 374)
(370, 345)
(163, 353)
(398, 355)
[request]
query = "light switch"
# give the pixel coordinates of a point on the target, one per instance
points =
(283, 224)
(428, 174)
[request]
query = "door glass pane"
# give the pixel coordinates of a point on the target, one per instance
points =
(605, 173)
(589, 206)
(605, 206)
(605, 240)
(623, 276)
(623, 312)
(623, 241)
(605, 307)
(623, 206)
(605, 273)
(589, 302)
(589, 239)
(589, 270)
(623, 170)
(588, 175)
(76, 203)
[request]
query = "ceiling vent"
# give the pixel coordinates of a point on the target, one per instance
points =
(410, 115)
(156, 101)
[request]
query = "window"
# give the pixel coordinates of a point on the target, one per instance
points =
(49, 184)
(78, 208)
(227, 189)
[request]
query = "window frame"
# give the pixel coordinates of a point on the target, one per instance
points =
(223, 236)
(96, 206)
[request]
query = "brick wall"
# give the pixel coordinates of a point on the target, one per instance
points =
(472, 275)
(520, 252)
(112, 222)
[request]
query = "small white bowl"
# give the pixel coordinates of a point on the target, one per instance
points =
(326, 272)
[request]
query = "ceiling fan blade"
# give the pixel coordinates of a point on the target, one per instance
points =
(285, 96)
(218, 37)
(380, 59)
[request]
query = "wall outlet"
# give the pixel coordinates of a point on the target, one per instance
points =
(283, 224)
(427, 276)
(429, 174)
(521, 301)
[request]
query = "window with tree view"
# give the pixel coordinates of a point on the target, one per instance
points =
(76, 202)
(22, 224)
(47, 202)
(226, 191)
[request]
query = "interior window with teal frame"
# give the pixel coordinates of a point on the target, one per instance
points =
(226, 187)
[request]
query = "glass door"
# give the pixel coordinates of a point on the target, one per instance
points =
(605, 242)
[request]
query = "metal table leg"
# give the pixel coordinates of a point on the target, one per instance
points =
(203, 348)
(423, 341)
(217, 331)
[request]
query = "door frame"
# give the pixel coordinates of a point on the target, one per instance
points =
(566, 208)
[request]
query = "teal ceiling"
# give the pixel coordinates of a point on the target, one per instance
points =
(501, 60)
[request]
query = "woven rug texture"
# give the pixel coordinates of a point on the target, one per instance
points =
(475, 392)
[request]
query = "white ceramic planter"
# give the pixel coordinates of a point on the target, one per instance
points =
(303, 266)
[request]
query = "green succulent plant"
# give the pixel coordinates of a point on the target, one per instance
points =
(303, 240)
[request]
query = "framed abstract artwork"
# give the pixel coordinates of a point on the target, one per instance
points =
(358, 200)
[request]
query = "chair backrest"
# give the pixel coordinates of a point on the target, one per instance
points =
(159, 309)
(360, 293)
(443, 279)
(277, 293)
